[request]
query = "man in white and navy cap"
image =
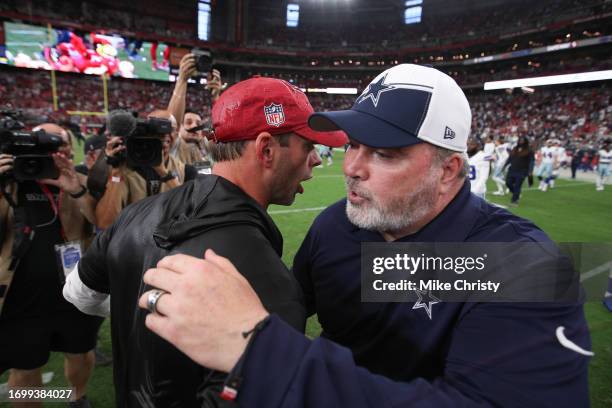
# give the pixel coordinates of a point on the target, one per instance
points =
(406, 181)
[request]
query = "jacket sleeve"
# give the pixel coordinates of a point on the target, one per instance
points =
(500, 355)
(85, 299)
(301, 270)
(92, 269)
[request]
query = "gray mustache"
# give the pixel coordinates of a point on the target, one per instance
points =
(352, 184)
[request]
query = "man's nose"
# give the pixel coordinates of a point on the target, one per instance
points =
(314, 158)
(354, 165)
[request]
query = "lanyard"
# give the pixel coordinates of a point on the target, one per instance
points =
(54, 206)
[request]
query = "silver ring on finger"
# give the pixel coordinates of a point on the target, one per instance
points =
(152, 300)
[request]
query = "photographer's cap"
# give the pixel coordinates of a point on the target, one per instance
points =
(93, 143)
(270, 105)
(402, 106)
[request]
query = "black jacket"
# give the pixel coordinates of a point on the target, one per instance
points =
(209, 212)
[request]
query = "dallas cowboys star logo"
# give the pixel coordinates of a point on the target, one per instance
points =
(374, 90)
(429, 302)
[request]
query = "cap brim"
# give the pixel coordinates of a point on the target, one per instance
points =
(333, 139)
(364, 128)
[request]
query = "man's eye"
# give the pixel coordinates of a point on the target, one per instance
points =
(382, 155)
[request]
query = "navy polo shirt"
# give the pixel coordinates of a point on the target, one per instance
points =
(443, 354)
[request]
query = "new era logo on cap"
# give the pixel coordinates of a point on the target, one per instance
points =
(449, 133)
(402, 106)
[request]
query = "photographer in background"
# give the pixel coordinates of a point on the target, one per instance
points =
(92, 149)
(129, 182)
(44, 226)
(190, 142)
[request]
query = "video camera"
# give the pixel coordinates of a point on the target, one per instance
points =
(142, 137)
(32, 150)
(144, 145)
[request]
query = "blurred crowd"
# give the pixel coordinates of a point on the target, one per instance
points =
(31, 91)
(569, 114)
(574, 113)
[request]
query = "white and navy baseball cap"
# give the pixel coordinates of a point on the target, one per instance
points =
(405, 105)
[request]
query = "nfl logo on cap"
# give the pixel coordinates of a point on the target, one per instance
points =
(275, 116)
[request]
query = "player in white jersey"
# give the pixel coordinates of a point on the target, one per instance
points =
(480, 163)
(489, 147)
(500, 155)
(603, 165)
(326, 152)
(547, 162)
(560, 159)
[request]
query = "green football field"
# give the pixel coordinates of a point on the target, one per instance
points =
(571, 212)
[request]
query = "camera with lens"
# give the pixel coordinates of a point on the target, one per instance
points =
(144, 144)
(32, 150)
(204, 61)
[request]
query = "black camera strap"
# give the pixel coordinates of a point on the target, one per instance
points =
(24, 235)
(152, 180)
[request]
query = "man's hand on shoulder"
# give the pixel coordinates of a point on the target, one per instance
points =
(213, 338)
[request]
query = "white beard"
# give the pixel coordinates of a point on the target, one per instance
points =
(397, 214)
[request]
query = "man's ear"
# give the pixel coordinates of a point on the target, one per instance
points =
(266, 147)
(451, 168)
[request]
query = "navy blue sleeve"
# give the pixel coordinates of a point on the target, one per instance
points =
(500, 355)
(301, 270)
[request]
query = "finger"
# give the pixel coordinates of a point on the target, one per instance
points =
(5, 168)
(163, 307)
(222, 263)
(142, 301)
(61, 161)
(181, 263)
(117, 149)
(160, 325)
(160, 278)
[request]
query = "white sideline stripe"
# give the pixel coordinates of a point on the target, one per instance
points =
(297, 210)
(575, 184)
(498, 205)
(596, 271)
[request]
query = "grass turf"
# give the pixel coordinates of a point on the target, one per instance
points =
(571, 212)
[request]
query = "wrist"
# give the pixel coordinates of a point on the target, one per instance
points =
(167, 176)
(79, 193)
(236, 358)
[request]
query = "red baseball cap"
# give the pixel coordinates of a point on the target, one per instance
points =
(268, 105)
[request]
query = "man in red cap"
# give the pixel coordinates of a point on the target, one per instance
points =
(263, 151)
